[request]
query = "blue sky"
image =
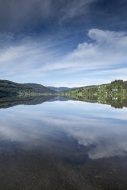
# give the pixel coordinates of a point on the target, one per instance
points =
(63, 43)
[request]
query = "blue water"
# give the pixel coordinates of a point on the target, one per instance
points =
(63, 145)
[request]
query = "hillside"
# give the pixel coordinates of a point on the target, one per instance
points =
(8, 88)
(114, 93)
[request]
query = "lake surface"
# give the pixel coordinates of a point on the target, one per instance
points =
(63, 144)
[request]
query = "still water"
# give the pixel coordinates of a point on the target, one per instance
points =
(62, 144)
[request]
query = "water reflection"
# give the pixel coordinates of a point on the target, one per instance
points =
(63, 144)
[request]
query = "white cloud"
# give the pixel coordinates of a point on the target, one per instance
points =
(107, 49)
(104, 55)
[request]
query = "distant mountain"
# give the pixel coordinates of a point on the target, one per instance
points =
(8, 88)
(59, 89)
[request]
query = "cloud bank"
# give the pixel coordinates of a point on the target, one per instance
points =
(103, 55)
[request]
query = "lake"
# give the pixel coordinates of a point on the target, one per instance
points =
(62, 144)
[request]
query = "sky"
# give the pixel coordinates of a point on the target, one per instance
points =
(63, 42)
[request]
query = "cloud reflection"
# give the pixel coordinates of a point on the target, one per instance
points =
(99, 127)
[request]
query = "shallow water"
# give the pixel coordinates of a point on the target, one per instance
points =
(63, 144)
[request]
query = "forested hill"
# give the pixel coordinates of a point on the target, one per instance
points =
(117, 86)
(8, 88)
(114, 93)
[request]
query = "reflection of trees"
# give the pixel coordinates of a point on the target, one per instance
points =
(13, 101)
